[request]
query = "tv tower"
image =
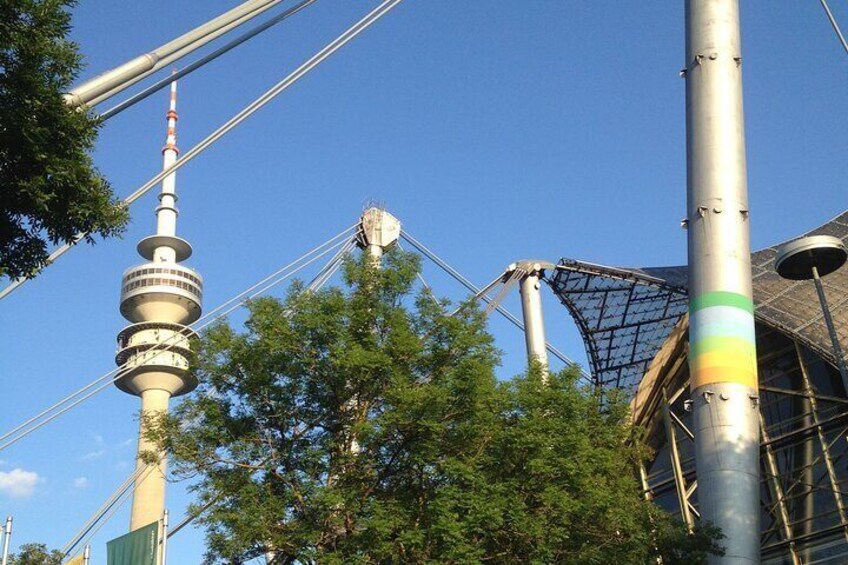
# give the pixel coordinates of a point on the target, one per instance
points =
(160, 298)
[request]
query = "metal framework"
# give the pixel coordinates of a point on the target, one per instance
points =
(624, 315)
(793, 307)
(804, 450)
(634, 325)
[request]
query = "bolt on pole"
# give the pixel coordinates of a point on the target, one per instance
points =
(722, 358)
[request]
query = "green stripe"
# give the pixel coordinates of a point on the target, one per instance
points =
(721, 298)
(721, 343)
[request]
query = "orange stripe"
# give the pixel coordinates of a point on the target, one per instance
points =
(729, 358)
(712, 375)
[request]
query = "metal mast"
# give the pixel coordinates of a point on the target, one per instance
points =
(530, 273)
(378, 231)
(160, 298)
(722, 357)
(7, 538)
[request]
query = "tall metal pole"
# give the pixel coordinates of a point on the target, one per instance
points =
(378, 231)
(7, 537)
(722, 358)
(86, 555)
(534, 322)
(162, 559)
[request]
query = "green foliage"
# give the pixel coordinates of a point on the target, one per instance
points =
(368, 426)
(51, 191)
(36, 554)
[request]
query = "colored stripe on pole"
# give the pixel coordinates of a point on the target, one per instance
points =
(722, 340)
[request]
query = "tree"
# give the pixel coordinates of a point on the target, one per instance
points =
(49, 188)
(36, 554)
(367, 426)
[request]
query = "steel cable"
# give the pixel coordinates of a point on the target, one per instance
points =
(26, 428)
(105, 507)
(320, 279)
(236, 120)
(834, 25)
(477, 293)
(188, 69)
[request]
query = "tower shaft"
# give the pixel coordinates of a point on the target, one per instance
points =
(722, 358)
(149, 494)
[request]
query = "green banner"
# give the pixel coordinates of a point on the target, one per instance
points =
(139, 547)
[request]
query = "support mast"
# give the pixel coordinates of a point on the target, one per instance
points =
(531, 309)
(722, 358)
(160, 298)
(378, 231)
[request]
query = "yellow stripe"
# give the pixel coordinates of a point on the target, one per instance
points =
(723, 367)
(713, 375)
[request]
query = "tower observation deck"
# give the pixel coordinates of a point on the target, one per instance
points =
(160, 298)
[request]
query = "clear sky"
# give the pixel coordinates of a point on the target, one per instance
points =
(495, 131)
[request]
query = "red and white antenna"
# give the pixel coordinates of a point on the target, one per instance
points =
(166, 212)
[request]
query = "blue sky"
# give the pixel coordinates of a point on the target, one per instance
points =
(495, 131)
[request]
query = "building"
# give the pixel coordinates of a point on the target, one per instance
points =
(634, 324)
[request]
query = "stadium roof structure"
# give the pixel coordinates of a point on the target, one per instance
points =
(626, 314)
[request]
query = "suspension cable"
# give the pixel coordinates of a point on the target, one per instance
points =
(834, 25)
(115, 80)
(50, 414)
(189, 518)
(111, 513)
(239, 296)
(332, 267)
(357, 28)
(157, 86)
(427, 287)
(477, 292)
(318, 281)
(105, 507)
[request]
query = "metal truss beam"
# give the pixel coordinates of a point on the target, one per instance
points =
(677, 467)
(776, 491)
(825, 446)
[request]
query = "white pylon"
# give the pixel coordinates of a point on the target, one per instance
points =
(7, 538)
(378, 231)
(529, 275)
